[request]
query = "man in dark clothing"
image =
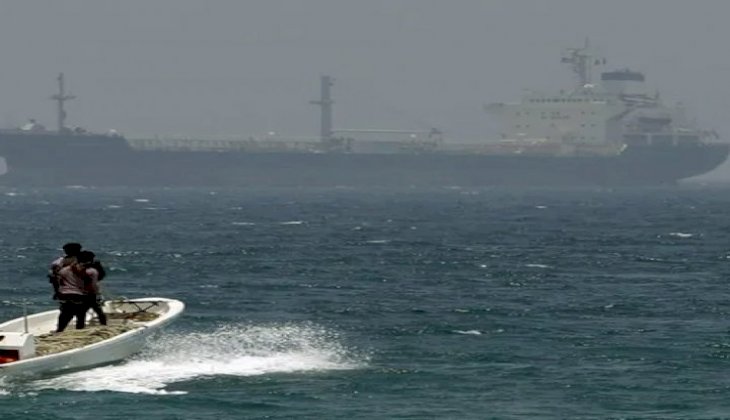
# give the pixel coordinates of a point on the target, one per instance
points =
(92, 292)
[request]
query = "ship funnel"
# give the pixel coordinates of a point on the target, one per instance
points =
(622, 82)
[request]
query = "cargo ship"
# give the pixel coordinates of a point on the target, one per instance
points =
(611, 132)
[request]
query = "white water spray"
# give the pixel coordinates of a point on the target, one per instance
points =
(233, 350)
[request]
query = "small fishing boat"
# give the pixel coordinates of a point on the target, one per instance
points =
(29, 345)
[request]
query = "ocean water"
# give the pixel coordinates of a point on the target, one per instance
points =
(390, 304)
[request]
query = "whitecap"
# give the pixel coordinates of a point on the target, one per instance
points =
(378, 241)
(243, 223)
(537, 265)
(468, 332)
(293, 222)
(142, 200)
(119, 253)
(681, 235)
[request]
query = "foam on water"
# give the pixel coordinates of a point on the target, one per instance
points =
(537, 265)
(681, 235)
(232, 350)
(468, 332)
(3, 387)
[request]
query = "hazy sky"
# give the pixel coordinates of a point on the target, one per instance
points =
(245, 67)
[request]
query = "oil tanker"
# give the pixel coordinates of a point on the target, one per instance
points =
(612, 132)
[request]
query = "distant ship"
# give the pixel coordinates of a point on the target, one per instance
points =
(610, 133)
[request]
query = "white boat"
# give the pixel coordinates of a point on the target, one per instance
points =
(29, 346)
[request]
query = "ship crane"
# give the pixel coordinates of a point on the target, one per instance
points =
(61, 97)
(325, 103)
(327, 131)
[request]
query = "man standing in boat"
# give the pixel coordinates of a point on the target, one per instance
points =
(91, 284)
(71, 249)
(73, 281)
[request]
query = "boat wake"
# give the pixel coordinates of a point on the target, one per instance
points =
(233, 350)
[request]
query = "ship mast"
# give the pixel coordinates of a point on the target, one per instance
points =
(582, 61)
(325, 103)
(61, 97)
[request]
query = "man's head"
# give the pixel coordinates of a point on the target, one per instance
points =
(85, 257)
(72, 249)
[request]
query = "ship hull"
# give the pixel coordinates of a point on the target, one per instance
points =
(107, 161)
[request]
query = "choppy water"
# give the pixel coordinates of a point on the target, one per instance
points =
(362, 304)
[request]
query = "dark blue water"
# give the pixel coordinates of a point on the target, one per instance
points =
(409, 304)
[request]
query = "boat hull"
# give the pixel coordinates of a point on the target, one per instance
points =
(104, 352)
(102, 161)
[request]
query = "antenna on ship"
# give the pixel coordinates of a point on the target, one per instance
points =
(325, 103)
(582, 61)
(61, 97)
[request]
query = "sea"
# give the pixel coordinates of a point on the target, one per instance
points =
(342, 303)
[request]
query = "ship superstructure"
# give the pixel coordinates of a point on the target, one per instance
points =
(594, 118)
